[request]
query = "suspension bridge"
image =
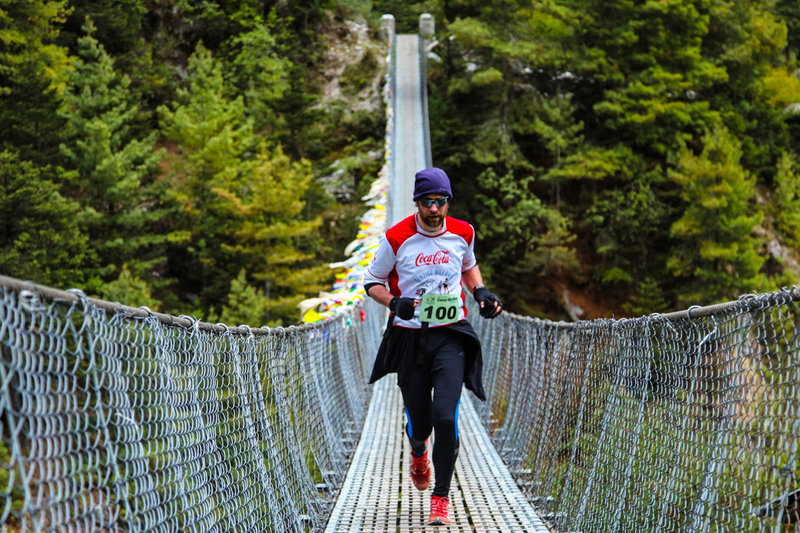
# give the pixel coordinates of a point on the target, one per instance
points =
(116, 418)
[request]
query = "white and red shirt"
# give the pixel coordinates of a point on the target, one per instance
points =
(414, 262)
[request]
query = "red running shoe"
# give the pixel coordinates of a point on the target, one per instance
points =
(420, 470)
(439, 515)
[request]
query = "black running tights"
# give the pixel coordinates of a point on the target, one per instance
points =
(443, 374)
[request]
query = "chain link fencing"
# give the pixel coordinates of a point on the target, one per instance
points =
(120, 419)
(680, 422)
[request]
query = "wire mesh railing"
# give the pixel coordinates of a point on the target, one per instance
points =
(681, 422)
(120, 419)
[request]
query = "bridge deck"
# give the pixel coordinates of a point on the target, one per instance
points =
(408, 147)
(377, 494)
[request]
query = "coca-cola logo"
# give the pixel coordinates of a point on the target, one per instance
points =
(438, 258)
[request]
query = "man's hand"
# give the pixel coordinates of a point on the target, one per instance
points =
(491, 306)
(403, 307)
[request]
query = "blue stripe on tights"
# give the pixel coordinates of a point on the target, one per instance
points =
(409, 429)
(457, 406)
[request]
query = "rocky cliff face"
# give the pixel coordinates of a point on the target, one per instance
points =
(354, 65)
(350, 88)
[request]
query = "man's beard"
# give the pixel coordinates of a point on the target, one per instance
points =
(433, 221)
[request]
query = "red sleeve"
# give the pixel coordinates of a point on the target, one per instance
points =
(462, 229)
(400, 232)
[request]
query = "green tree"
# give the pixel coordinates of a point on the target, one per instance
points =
(530, 241)
(41, 236)
(108, 169)
(620, 212)
(272, 237)
(210, 135)
(715, 254)
(749, 42)
(119, 23)
(648, 298)
(130, 290)
(648, 57)
(497, 99)
(260, 74)
(788, 12)
(246, 304)
(242, 201)
(219, 20)
(406, 14)
(31, 76)
(786, 205)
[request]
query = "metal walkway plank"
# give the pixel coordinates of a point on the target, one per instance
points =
(408, 150)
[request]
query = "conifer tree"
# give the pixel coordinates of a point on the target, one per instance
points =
(529, 239)
(119, 23)
(749, 41)
(786, 206)
(242, 201)
(31, 77)
(246, 304)
(109, 171)
(209, 134)
(129, 289)
(41, 236)
(273, 236)
(260, 74)
(715, 255)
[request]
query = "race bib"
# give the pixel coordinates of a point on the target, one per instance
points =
(438, 308)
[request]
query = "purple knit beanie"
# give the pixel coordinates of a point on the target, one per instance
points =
(431, 180)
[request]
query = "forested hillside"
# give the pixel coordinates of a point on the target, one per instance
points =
(622, 157)
(202, 158)
(206, 158)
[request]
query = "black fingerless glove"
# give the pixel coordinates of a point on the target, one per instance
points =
(402, 307)
(487, 300)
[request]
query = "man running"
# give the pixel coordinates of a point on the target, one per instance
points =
(425, 260)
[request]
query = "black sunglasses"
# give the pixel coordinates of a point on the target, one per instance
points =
(427, 202)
